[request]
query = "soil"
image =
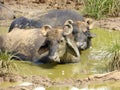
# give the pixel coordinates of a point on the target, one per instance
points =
(112, 23)
(37, 81)
(34, 8)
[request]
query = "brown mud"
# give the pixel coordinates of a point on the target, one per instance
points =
(35, 8)
(38, 81)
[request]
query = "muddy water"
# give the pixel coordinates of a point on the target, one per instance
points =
(91, 63)
(3, 30)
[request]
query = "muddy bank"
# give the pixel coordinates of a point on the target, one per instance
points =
(34, 8)
(40, 81)
(109, 23)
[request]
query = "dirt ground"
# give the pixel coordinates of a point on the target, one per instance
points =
(109, 23)
(34, 8)
(37, 81)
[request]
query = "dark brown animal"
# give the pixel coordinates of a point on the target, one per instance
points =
(81, 26)
(24, 43)
(31, 44)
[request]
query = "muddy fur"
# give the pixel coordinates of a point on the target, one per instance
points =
(24, 43)
(69, 56)
(81, 26)
(23, 23)
(58, 17)
(67, 50)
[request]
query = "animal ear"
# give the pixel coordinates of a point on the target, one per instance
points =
(72, 47)
(83, 26)
(67, 29)
(68, 22)
(90, 22)
(46, 29)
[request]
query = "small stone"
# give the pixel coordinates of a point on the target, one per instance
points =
(39, 88)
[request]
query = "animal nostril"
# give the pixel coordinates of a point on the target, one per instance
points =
(51, 57)
(54, 59)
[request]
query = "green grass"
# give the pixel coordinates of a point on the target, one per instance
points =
(6, 63)
(114, 56)
(106, 49)
(101, 8)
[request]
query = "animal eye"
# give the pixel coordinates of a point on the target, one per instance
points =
(60, 41)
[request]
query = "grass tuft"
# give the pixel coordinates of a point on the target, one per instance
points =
(6, 63)
(101, 8)
(114, 53)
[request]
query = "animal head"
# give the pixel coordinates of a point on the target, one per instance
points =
(81, 32)
(56, 39)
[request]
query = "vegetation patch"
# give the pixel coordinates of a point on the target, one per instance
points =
(6, 63)
(101, 8)
(109, 56)
(114, 56)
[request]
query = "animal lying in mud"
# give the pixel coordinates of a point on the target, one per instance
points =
(46, 44)
(81, 26)
(24, 44)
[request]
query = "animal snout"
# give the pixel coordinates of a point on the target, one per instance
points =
(81, 45)
(54, 58)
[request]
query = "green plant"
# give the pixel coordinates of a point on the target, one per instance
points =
(6, 63)
(109, 56)
(114, 56)
(101, 8)
(114, 9)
